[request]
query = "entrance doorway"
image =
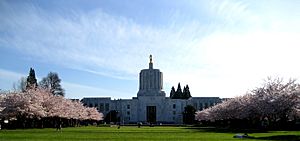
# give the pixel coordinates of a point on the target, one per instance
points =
(151, 114)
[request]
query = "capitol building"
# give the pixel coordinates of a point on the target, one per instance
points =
(151, 104)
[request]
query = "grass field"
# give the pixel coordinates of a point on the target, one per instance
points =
(137, 134)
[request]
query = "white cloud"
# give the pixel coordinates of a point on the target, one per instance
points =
(96, 41)
(237, 63)
(240, 45)
(9, 75)
(79, 91)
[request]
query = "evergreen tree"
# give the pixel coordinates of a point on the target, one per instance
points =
(178, 92)
(184, 93)
(112, 116)
(172, 93)
(31, 80)
(188, 93)
(52, 82)
(189, 114)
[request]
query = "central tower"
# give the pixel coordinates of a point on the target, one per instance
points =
(151, 81)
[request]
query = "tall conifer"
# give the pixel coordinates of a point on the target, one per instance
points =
(172, 93)
(31, 80)
(178, 92)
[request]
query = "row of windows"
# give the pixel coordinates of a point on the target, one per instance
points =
(204, 105)
(201, 105)
(128, 112)
(105, 106)
(101, 107)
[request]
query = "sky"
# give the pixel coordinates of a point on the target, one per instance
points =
(220, 48)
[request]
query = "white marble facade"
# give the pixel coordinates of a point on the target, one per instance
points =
(151, 103)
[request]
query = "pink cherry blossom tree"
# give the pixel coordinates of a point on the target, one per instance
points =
(274, 101)
(40, 103)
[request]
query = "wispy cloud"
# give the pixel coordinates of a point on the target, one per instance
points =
(239, 43)
(79, 90)
(10, 75)
(96, 41)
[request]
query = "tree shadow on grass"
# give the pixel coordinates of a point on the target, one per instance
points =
(230, 130)
(226, 130)
(280, 138)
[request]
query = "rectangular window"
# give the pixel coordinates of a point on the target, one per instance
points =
(174, 112)
(101, 107)
(106, 107)
(128, 113)
(174, 106)
(128, 106)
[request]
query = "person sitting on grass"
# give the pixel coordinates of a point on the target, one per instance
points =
(245, 135)
(119, 125)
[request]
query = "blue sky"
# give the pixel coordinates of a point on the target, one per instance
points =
(220, 48)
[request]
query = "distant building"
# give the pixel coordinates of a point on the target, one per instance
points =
(151, 104)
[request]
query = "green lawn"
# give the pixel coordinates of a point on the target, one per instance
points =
(137, 134)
